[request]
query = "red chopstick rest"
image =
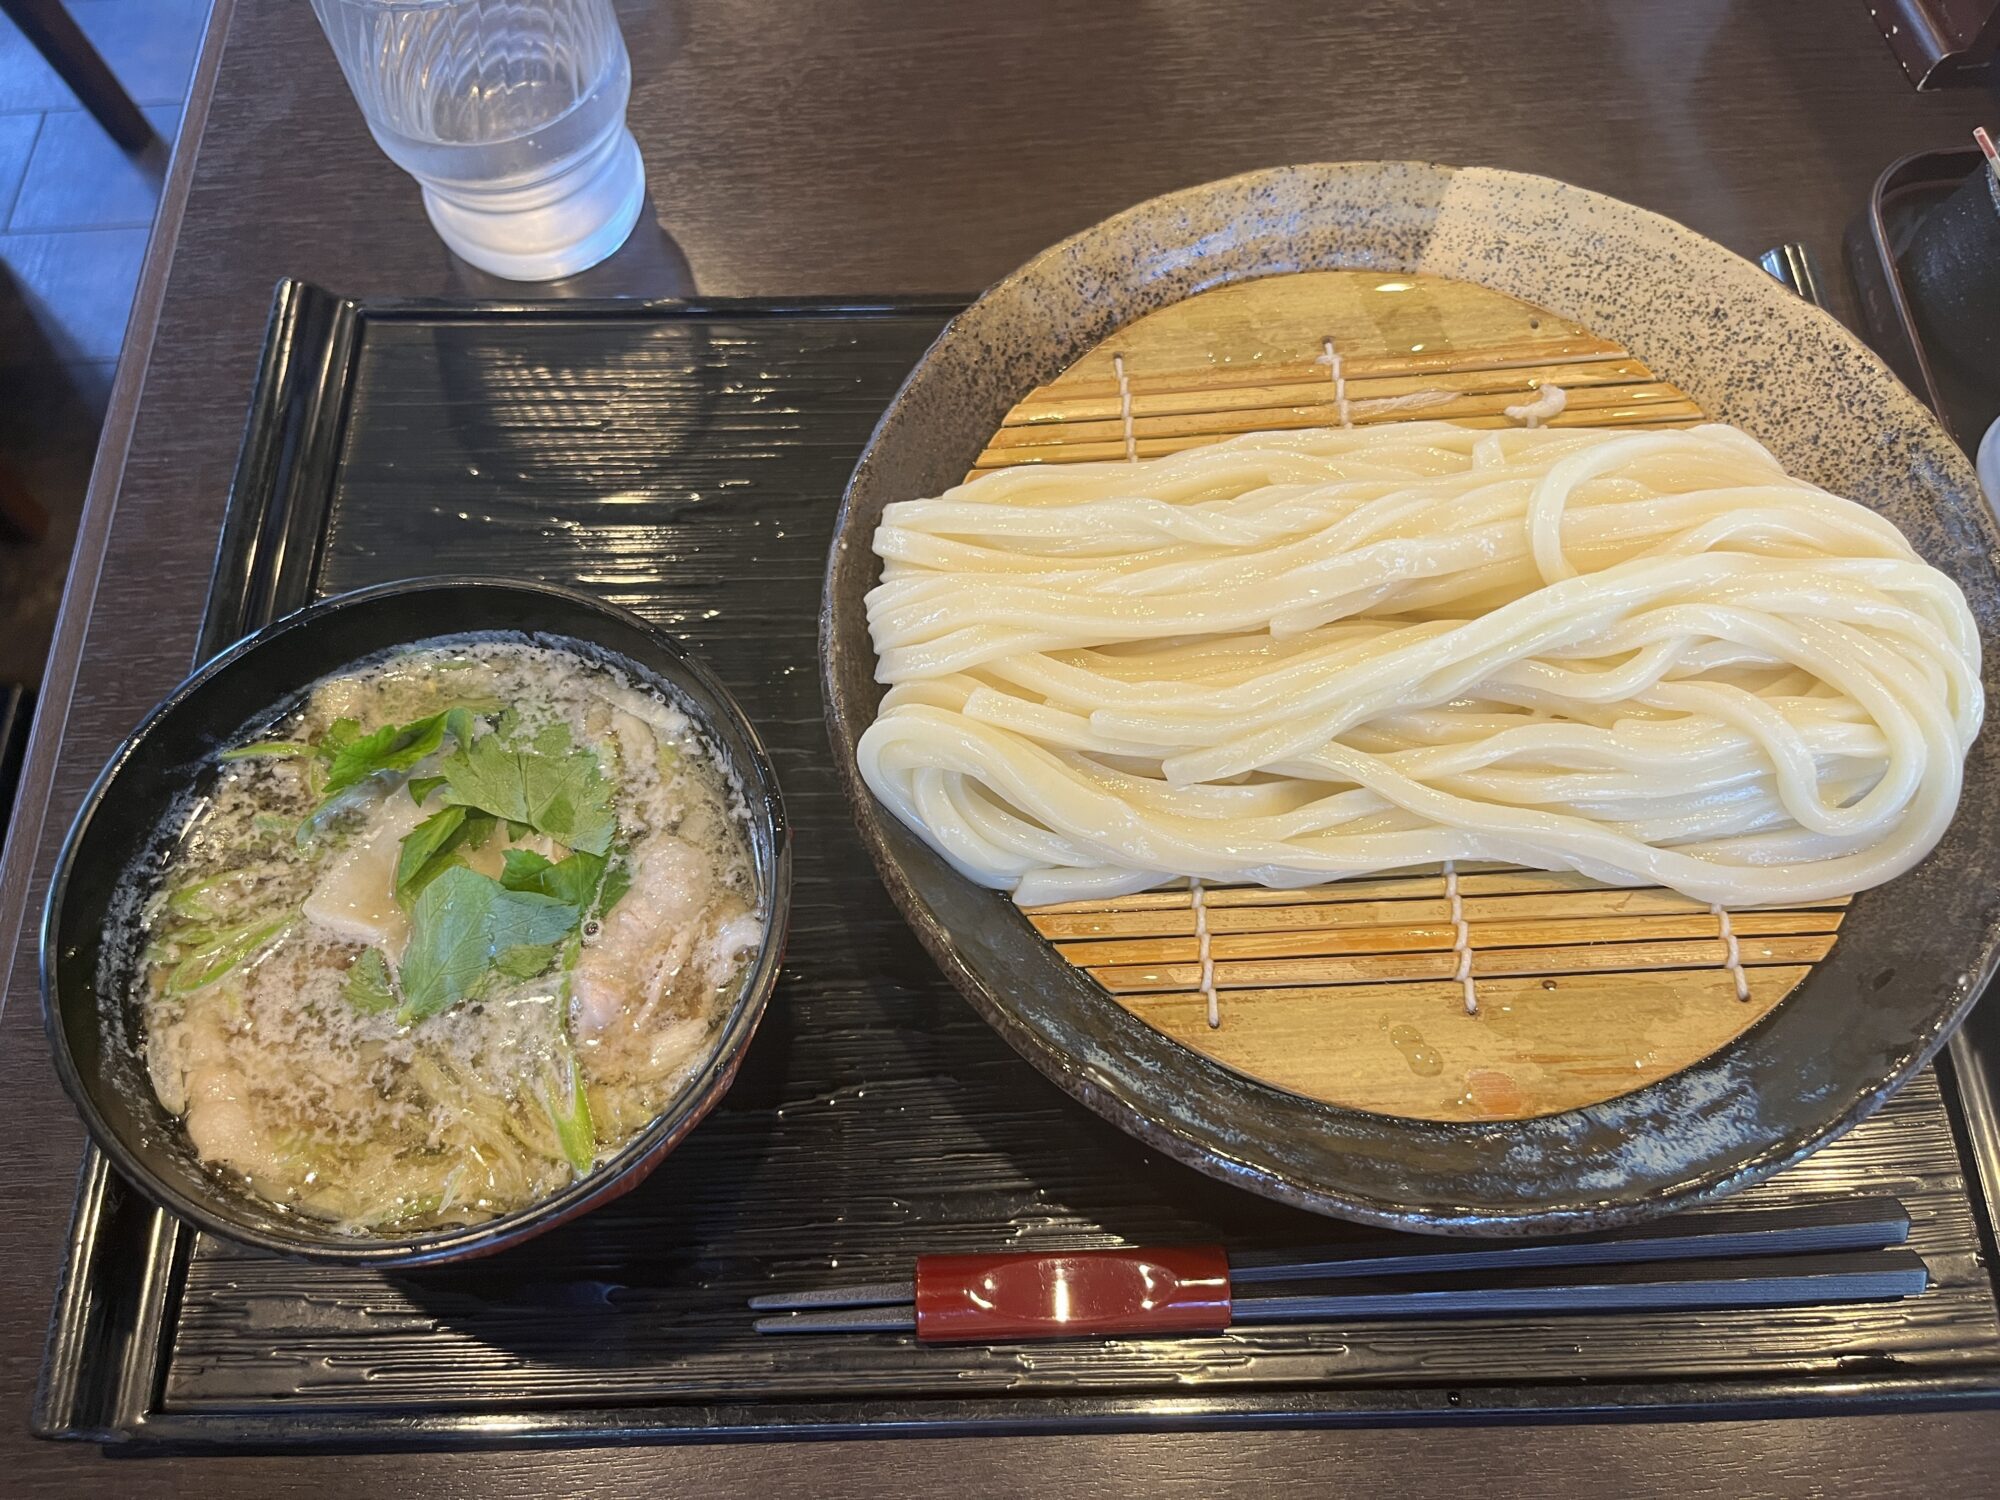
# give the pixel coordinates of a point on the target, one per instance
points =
(981, 1298)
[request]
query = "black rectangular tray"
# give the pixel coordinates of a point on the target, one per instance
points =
(685, 459)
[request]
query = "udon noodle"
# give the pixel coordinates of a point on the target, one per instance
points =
(1650, 657)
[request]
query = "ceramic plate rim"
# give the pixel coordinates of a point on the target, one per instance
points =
(971, 376)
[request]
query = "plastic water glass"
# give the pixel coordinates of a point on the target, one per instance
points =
(510, 114)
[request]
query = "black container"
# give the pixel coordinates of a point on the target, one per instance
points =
(1966, 402)
(1952, 273)
(95, 1035)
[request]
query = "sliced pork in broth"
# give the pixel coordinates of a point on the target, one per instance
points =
(447, 937)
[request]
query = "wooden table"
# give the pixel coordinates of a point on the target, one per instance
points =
(858, 146)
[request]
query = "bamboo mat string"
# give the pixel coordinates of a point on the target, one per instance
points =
(1461, 942)
(1733, 961)
(1208, 989)
(1331, 359)
(1550, 400)
(1125, 409)
(1194, 882)
(1604, 989)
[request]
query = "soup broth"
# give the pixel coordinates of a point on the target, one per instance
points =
(447, 937)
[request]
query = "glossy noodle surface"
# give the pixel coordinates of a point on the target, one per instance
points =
(1651, 657)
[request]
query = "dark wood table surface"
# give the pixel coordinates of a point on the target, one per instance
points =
(906, 146)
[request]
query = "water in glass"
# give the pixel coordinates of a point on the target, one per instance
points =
(510, 113)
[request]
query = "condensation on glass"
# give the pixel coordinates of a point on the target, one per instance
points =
(511, 116)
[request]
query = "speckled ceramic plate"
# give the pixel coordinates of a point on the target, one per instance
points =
(1913, 955)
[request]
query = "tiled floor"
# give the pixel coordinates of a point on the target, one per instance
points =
(75, 212)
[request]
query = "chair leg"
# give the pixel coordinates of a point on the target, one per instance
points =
(21, 514)
(59, 39)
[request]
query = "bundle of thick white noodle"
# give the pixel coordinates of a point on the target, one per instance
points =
(1651, 657)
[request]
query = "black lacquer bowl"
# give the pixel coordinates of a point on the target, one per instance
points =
(1913, 955)
(93, 1023)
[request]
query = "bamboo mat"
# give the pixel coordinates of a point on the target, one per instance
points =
(1349, 992)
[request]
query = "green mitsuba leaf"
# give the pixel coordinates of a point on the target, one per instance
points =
(487, 775)
(572, 881)
(450, 943)
(548, 785)
(429, 849)
(458, 722)
(520, 869)
(461, 923)
(393, 747)
(339, 735)
(525, 961)
(368, 987)
(617, 881)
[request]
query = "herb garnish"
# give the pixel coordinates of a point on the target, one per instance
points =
(267, 750)
(354, 757)
(465, 926)
(429, 849)
(369, 989)
(461, 924)
(345, 758)
(569, 1108)
(546, 785)
(574, 880)
(209, 954)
